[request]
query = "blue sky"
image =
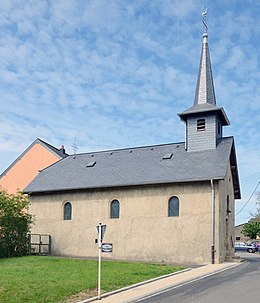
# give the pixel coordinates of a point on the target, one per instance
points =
(115, 74)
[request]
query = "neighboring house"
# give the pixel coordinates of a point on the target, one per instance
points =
(163, 203)
(238, 234)
(26, 167)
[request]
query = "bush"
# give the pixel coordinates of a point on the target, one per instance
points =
(14, 224)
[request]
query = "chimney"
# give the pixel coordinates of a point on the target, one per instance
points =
(62, 149)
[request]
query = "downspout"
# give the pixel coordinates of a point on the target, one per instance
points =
(213, 222)
(186, 144)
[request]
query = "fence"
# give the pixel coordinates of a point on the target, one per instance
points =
(40, 244)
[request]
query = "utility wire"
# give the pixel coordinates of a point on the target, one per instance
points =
(248, 199)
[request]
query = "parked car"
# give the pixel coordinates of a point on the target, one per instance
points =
(242, 246)
(256, 245)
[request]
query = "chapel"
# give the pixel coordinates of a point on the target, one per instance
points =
(162, 203)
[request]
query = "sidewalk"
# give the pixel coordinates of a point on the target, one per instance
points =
(148, 288)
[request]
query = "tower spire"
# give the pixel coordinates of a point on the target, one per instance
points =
(204, 120)
(205, 92)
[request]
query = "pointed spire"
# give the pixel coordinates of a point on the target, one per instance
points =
(205, 88)
(205, 100)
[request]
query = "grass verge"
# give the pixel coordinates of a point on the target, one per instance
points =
(50, 280)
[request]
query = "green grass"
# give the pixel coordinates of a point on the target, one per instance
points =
(49, 279)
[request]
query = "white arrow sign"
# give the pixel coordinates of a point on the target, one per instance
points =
(101, 229)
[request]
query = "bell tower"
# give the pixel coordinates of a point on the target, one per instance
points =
(204, 120)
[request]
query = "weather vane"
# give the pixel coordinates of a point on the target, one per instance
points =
(204, 21)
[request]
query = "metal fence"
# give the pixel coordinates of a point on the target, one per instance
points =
(40, 244)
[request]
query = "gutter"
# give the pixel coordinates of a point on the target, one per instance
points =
(111, 186)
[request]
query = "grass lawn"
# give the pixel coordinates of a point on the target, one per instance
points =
(36, 279)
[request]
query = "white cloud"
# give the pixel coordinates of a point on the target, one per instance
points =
(88, 68)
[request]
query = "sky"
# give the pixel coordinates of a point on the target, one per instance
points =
(111, 74)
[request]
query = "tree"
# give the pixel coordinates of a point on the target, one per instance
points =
(256, 216)
(251, 229)
(15, 224)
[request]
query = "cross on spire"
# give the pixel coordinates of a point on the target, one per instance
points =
(204, 20)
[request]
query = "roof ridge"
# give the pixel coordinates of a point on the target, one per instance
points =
(53, 148)
(37, 140)
(126, 148)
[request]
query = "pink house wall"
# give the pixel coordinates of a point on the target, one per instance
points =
(26, 168)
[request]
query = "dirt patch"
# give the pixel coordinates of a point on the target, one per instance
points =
(83, 295)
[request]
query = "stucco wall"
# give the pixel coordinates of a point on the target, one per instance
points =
(143, 232)
(27, 168)
(225, 219)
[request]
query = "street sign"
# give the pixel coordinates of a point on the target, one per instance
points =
(107, 247)
(103, 229)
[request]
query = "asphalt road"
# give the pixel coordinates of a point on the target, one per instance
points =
(237, 285)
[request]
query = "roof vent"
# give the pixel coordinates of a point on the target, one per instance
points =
(91, 164)
(167, 156)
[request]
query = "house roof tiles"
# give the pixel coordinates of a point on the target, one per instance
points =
(134, 166)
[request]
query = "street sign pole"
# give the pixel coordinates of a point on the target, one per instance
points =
(99, 260)
(101, 232)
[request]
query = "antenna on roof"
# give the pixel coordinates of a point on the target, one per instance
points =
(75, 146)
(204, 21)
(258, 198)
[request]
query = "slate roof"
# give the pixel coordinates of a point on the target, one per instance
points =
(205, 92)
(59, 153)
(132, 167)
(204, 108)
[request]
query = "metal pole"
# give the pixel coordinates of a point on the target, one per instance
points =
(213, 222)
(99, 261)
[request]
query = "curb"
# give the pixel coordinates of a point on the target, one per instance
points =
(134, 286)
(155, 293)
(162, 290)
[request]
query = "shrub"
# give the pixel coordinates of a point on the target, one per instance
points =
(14, 224)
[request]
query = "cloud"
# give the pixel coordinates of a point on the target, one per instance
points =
(87, 69)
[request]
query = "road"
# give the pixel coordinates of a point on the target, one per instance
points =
(240, 284)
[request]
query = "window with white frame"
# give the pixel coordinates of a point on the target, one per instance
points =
(173, 207)
(114, 209)
(67, 211)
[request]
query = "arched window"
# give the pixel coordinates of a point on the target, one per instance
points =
(67, 211)
(114, 209)
(173, 207)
